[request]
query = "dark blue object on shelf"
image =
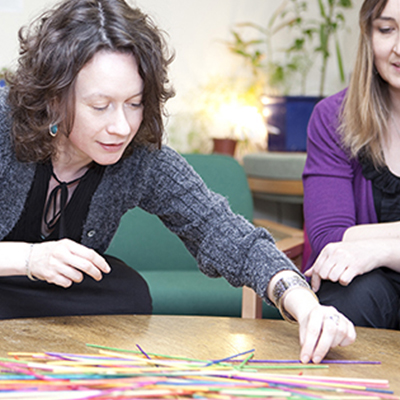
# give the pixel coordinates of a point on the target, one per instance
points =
(288, 118)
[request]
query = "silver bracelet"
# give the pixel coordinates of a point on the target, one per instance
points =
(282, 288)
(27, 269)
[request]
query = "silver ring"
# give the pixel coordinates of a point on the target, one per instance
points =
(335, 318)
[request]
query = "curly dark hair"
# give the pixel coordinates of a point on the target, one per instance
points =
(57, 45)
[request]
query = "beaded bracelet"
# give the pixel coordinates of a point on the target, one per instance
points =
(28, 259)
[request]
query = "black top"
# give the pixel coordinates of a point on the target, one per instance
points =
(122, 291)
(385, 189)
(28, 227)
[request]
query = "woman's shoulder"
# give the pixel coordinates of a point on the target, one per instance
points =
(5, 117)
(152, 155)
(4, 107)
(148, 163)
(325, 118)
(323, 133)
(3, 95)
(158, 157)
(332, 104)
(145, 172)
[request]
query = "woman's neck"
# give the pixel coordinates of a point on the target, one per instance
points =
(66, 165)
(395, 103)
(66, 169)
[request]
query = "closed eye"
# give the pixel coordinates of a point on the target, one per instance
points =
(386, 30)
(385, 24)
(135, 105)
(100, 108)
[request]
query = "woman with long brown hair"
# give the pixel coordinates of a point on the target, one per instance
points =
(352, 180)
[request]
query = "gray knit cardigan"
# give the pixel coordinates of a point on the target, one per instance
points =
(161, 182)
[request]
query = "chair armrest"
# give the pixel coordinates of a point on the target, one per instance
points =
(287, 239)
(276, 186)
(278, 227)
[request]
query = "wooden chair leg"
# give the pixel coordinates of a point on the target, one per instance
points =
(251, 304)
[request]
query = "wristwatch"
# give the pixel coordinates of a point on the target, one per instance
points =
(282, 288)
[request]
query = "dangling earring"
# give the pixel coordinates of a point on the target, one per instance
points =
(53, 130)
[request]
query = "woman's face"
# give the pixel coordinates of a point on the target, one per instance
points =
(386, 44)
(108, 109)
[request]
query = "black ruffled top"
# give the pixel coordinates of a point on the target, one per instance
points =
(385, 189)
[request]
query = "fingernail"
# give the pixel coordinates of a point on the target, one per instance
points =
(317, 360)
(305, 360)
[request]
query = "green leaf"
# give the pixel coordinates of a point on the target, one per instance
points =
(340, 61)
(297, 45)
(345, 3)
(322, 9)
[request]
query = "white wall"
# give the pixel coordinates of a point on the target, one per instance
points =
(196, 29)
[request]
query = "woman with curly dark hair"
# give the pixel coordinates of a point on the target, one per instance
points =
(53, 51)
(80, 144)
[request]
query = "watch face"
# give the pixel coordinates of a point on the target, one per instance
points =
(283, 286)
(286, 283)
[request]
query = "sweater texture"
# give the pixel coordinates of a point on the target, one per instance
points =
(160, 182)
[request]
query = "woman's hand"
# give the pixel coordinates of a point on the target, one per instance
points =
(343, 261)
(64, 262)
(321, 329)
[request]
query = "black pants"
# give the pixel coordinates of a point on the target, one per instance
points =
(371, 300)
(122, 291)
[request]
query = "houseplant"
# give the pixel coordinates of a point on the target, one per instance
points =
(309, 38)
(223, 110)
(278, 73)
(274, 69)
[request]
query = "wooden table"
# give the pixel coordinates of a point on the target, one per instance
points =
(202, 338)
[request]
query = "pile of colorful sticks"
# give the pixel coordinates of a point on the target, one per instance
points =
(122, 374)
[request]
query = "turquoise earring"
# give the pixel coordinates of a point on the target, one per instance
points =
(53, 130)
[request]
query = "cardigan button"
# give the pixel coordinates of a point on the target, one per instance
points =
(91, 233)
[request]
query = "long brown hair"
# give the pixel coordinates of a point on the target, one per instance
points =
(366, 106)
(56, 46)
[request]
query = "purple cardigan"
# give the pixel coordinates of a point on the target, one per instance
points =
(336, 194)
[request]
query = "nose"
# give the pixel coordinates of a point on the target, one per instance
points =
(119, 124)
(396, 48)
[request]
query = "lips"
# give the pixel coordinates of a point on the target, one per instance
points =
(111, 146)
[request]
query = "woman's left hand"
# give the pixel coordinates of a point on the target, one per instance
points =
(321, 329)
(343, 261)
